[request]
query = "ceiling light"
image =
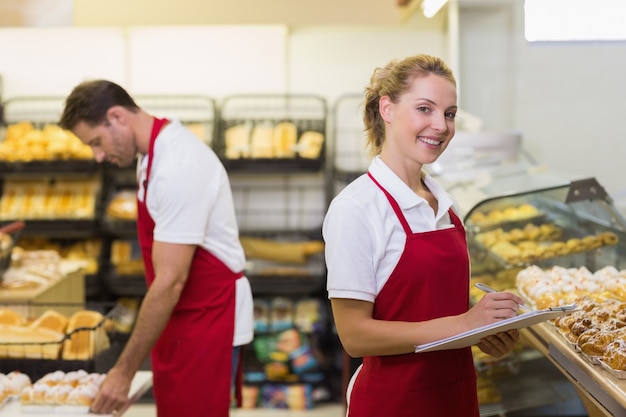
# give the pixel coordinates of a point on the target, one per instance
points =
(431, 7)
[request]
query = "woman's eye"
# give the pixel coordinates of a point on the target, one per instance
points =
(451, 115)
(423, 109)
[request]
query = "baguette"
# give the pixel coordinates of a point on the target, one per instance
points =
(288, 252)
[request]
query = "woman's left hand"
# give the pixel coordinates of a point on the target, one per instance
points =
(499, 344)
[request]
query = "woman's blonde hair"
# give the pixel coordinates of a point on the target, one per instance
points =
(393, 80)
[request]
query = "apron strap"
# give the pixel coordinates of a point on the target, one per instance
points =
(157, 125)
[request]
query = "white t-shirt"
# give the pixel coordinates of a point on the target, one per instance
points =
(190, 202)
(363, 236)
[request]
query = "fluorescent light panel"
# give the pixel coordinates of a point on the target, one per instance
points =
(574, 20)
(431, 7)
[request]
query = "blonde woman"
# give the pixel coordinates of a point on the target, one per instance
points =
(398, 264)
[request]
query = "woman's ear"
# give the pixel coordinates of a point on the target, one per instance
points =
(385, 107)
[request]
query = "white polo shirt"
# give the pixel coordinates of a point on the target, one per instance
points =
(363, 236)
(190, 202)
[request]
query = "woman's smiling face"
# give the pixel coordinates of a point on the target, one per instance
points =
(420, 124)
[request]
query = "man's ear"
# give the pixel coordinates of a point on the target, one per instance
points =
(116, 115)
(384, 107)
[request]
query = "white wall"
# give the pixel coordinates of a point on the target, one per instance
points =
(215, 60)
(566, 98)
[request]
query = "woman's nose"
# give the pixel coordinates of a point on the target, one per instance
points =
(439, 123)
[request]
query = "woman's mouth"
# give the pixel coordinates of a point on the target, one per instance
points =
(429, 141)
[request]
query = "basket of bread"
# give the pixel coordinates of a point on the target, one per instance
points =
(60, 337)
(273, 132)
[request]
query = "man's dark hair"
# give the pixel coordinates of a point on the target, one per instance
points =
(89, 102)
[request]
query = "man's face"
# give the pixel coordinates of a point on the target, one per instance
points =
(109, 141)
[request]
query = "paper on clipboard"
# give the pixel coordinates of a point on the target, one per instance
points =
(472, 337)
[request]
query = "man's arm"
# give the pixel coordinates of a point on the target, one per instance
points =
(171, 267)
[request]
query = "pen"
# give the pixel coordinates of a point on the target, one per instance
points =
(487, 288)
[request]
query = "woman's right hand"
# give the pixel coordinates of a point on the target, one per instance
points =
(493, 307)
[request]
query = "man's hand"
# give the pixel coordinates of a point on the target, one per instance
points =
(113, 394)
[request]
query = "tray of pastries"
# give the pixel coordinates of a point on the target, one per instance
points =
(597, 330)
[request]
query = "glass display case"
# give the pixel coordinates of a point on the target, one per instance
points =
(571, 225)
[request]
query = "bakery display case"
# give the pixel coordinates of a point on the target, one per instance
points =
(559, 243)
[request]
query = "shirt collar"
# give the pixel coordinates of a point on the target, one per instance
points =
(401, 192)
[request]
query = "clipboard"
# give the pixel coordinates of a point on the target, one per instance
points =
(473, 337)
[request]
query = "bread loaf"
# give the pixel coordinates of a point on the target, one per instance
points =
(24, 342)
(285, 137)
(310, 145)
(262, 141)
(86, 336)
(289, 252)
(237, 141)
(123, 205)
(11, 317)
(50, 319)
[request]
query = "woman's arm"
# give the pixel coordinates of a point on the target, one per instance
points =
(362, 335)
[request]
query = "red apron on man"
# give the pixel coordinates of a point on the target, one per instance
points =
(195, 348)
(431, 280)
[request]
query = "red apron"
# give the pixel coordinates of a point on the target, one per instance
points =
(431, 280)
(192, 359)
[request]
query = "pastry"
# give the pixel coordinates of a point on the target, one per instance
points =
(14, 382)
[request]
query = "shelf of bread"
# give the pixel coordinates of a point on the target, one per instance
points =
(34, 273)
(37, 338)
(50, 199)
(531, 243)
(52, 335)
(80, 253)
(24, 142)
(283, 264)
(272, 133)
